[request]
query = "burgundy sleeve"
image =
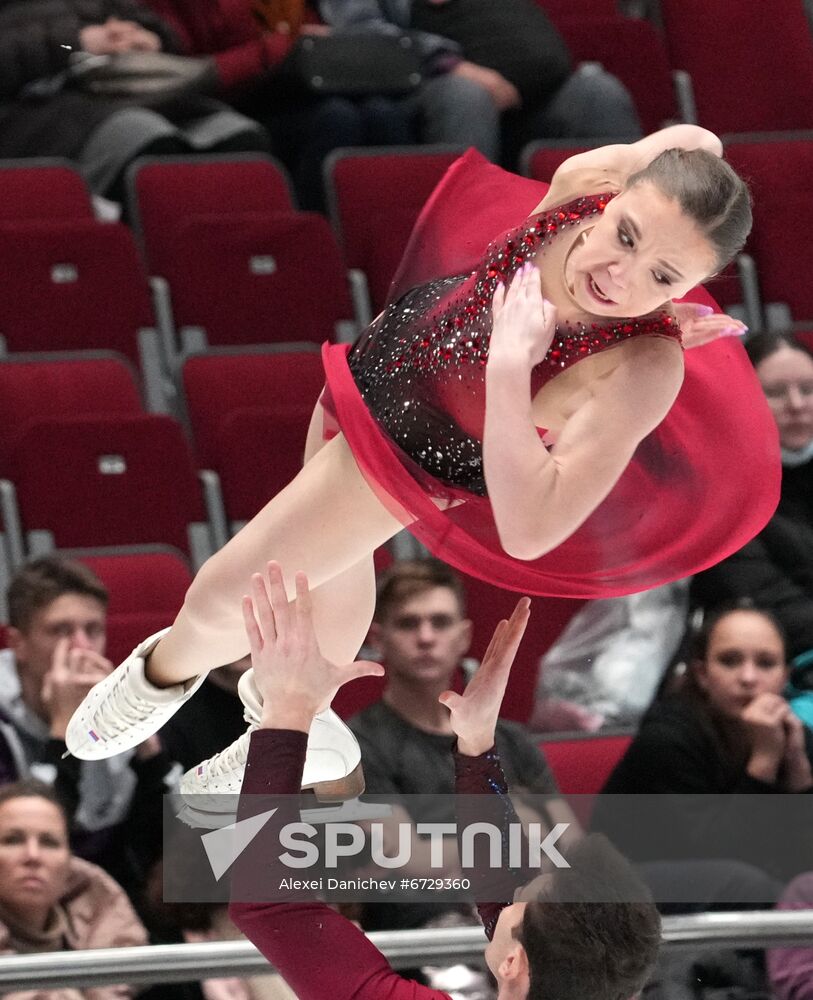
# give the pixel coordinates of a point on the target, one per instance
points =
(791, 969)
(317, 951)
(242, 64)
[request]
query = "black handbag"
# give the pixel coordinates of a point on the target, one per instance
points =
(142, 78)
(354, 64)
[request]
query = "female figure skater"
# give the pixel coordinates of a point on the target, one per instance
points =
(501, 428)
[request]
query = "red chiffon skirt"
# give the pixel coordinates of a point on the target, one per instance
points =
(697, 489)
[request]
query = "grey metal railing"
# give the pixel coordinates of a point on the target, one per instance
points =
(183, 962)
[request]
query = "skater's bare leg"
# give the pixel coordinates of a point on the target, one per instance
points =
(342, 611)
(324, 522)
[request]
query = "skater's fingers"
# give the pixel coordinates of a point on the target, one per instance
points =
(495, 640)
(512, 636)
(263, 611)
(304, 605)
(279, 600)
(255, 639)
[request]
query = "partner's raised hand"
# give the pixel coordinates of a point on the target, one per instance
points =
(293, 677)
(474, 713)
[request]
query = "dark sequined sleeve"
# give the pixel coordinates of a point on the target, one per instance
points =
(484, 775)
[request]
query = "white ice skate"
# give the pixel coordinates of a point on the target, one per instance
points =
(122, 710)
(332, 765)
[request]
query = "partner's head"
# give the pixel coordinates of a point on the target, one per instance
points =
(34, 853)
(51, 599)
(420, 627)
(784, 367)
(588, 932)
(738, 654)
(675, 224)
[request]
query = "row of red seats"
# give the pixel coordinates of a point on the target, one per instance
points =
(241, 275)
(738, 67)
(88, 467)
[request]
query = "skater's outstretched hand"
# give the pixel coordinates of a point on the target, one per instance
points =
(292, 676)
(701, 325)
(474, 713)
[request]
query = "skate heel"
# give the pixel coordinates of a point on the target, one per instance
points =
(340, 789)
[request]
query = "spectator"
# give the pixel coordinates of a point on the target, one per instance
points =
(495, 70)
(56, 636)
(304, 127)
(791, 969)
(42, 115)
(775, 570)
(50, 900)
(729, 730)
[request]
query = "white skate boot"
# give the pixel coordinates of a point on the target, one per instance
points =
(332, 765)
(124, 709)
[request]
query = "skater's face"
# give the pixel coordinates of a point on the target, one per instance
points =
(34, 858)
(423, 639)
(77, 617)
(643, 251)
(787, 381)
(745, 658)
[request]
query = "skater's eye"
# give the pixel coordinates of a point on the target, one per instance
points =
(625, 238)
(661, 278)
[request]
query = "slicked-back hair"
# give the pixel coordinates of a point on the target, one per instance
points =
(708, 191)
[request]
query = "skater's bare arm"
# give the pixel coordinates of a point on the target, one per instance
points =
(607, 168)
(539, 498)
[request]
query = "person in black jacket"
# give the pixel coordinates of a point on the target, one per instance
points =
(775, 570)
(496, 75)
(728, 732)
(43, 112)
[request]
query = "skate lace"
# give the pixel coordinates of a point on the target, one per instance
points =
(122, 709)
(230, 759)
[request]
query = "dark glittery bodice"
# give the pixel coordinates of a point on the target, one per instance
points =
(420, 366)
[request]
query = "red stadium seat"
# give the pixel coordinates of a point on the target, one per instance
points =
(163, 193)
(33, 387)
(566, 11)
(540, 160)
(257, 404)
(375, 197)
(98, 481)
(549, 615)
(634, 51)
(255, 278)
(581, 765)
(50, 190)
(146, 588)
(781, 241)
(72, 286)
(751, 64)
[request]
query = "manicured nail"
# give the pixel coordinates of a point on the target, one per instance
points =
(704, 310)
